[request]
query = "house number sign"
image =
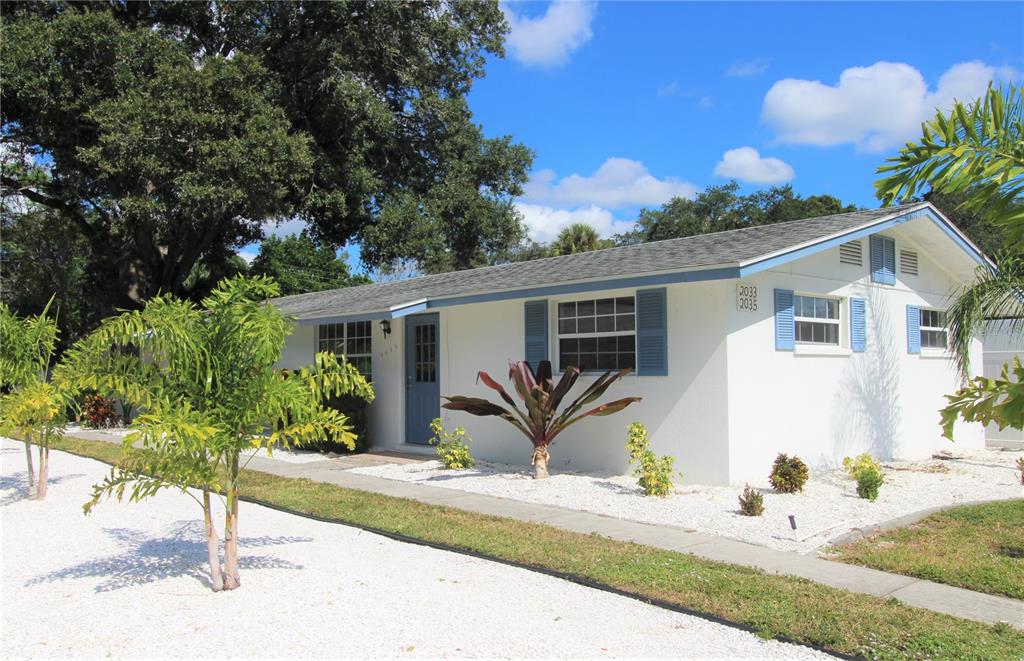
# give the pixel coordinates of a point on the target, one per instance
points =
(746, 297)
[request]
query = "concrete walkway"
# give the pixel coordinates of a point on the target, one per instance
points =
(912, 591)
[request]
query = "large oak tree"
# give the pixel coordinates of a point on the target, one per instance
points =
(170, 133)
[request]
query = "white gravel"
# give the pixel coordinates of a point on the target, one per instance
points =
(129, 581)
(828, 506)
(294, 456)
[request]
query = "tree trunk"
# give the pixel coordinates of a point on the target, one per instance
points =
(540, 462)
(212, 545)
(31, 471)
(44, 470)
(231, 578)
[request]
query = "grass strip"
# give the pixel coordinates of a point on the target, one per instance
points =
(977, 547)
(774, 606)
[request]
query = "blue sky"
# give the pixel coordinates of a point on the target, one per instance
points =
(627, 104)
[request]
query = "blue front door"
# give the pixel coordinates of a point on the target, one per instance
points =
(422, 383)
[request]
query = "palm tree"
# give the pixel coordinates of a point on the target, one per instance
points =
(976, 153)
(206, 381)
(578, 237)
(976, 150)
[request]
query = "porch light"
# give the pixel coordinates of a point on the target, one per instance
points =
(385, 327)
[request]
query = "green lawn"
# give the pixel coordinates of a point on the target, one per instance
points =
(794, 608)
(978, 547)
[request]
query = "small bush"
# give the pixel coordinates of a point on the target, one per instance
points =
(751, 502)
(789, 474)
(866, 470)
(868, 482)
(1020, 468)
(655, 472)
(99, 412)
(452, 447)
(855, 465)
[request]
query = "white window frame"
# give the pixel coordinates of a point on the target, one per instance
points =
(559, 336)
(921, 329)
(837, 322)
(340, 341)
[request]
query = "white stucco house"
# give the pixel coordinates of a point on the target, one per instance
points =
(822, 337)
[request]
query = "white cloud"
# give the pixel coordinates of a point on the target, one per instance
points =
(543, 223)
(248, 255)
(747, 68)
(746, 164)
(874, 108)
(618, 183)
(548, 40)
(285, 228)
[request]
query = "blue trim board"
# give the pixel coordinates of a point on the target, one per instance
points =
(639, 281)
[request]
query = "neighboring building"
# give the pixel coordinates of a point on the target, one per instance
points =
(822, 337)
(1000, 346)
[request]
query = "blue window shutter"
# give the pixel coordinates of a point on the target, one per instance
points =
(913, 329)
(889, 260)
(785, 338)
(536, 313)
(883, 259)
(651, 332)
(858, 327)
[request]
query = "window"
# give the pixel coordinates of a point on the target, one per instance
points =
(597, 334)
(933, 329)
(352, 340)
(851, 253)
(816, 320)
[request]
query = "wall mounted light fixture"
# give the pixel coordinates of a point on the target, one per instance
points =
(385, 327)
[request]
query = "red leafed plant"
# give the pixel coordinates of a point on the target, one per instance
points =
(541, 396)
(99, 412)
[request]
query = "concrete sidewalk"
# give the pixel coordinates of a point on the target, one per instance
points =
(912, 591)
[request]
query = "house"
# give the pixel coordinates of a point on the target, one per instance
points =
(822, 337)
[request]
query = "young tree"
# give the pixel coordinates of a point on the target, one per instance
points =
(30, 403)
(206, 380)
(299, 265)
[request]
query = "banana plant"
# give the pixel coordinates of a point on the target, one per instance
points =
(539, 418)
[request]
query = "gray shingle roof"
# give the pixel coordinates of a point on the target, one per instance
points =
(730, 248)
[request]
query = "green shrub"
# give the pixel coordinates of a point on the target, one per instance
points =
(751, 502)
(655, 472)
(866, 470)
(354, 409)
(452, 447)
(789, 474)
(869, 479)
(1020, 468)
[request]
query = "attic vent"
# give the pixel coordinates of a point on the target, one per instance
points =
(851, 253)
(908, 262)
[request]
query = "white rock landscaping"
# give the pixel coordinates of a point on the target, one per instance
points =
(827, 507)
(129, 581)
